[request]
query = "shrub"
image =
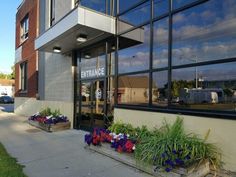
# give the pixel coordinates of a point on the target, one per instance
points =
(120, 127)
(170, 147)
(48, 112)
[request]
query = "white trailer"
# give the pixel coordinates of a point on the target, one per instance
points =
(196, 96)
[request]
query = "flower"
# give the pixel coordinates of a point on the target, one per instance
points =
(168, 169)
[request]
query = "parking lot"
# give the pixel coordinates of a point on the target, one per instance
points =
(7, 107)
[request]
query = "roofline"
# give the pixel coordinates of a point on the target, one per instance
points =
(20, 5)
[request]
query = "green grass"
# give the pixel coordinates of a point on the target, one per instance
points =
(9, 166)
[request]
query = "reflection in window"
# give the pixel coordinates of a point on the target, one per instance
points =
(160, 88)
(93, 63)
(135, 55)
(205, 87)
(124, 4)
(98, 5)
(111, 59)
(133, 89)
(160, 7)
(180, 3)
(160, 43)
(24, 31)
(110, 96)
(135, 17)
(205, 32)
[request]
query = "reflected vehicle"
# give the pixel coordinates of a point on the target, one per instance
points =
(6, 99)
(196, 96)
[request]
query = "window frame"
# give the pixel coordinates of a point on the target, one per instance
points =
(52, 12)
(23, 79)
(24, 28)
(169, 109)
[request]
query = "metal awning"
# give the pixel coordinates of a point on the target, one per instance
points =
(96, 26)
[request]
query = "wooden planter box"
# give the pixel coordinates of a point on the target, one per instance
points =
(51, 128)
(200, 171)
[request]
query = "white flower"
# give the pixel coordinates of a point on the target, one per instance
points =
(133, 147)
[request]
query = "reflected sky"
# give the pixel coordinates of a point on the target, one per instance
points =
(203, 33)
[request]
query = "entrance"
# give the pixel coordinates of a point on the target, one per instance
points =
(95, 87)
(92, 104)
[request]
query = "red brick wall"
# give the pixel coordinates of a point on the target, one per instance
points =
(28, 53)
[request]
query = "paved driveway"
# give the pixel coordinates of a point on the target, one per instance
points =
(60, 154)
(7, 107)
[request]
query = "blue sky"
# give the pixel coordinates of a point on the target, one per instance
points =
(7, 34)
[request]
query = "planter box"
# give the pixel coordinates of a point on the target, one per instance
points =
(51, 128)
(200, 171)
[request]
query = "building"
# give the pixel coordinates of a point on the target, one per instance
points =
(26, 57)
(7, 87)
(89, 51)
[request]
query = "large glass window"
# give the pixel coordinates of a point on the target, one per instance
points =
(160, 88)
(98, 5)
(134, 17)
(205, 32)
(180, 3)
(161, 7)
(93, 63)
(160, 43)
(133, 89)
(124, 4)
(134, 50)
(205, 87)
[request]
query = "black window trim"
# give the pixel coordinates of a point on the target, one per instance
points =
(169, 108)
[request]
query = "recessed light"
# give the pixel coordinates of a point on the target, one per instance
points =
(57, 49)
(87, 56)
(82, 38)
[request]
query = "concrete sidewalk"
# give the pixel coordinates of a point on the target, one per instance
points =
(60, 154)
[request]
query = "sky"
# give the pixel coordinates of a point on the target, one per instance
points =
(7, 34)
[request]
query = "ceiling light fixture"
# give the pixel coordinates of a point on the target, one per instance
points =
(57, 49)
(87, 56)
(82, 38)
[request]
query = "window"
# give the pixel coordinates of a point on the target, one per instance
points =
(133, 89)
(160, 7)
(205, 33)
(134, 17)
(23, 76)
(134, 50)
(160, 88)
(208, 87)
(98, 5)
(52, 12)
(124, 4)
(160, 43)
(180, 3)
(25, 28)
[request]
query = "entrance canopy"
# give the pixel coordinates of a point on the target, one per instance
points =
(92, 25)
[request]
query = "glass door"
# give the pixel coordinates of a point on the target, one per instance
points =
(92, 104)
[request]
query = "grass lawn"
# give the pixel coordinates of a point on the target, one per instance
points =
(9, 166)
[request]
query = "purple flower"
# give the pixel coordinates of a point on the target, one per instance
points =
(163, 155)
(188, 157)
(179, 161)
(170, 162)
(88, 139)
(168, 169)
(174, 152)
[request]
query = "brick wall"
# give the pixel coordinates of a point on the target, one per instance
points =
(29, 55)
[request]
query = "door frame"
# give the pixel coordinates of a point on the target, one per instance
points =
(91, 106)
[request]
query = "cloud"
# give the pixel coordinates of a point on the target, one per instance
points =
(178, 18)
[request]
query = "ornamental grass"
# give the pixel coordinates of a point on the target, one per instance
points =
(171, 147)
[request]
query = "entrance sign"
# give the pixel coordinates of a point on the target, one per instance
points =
(93, 73)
